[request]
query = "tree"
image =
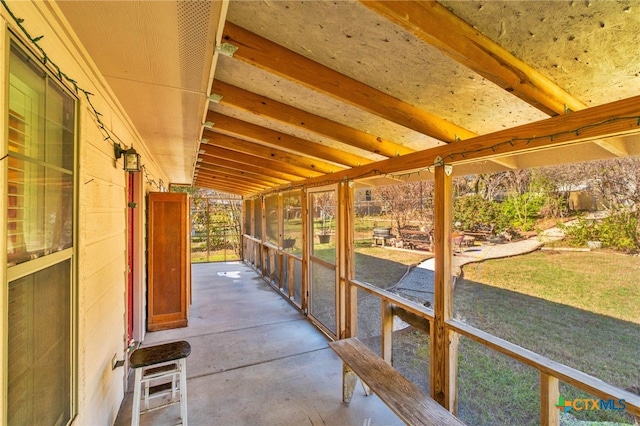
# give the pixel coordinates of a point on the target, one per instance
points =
(410, 202)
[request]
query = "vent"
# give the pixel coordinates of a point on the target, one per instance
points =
(193, 32)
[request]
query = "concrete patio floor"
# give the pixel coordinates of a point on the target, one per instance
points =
(256, 360)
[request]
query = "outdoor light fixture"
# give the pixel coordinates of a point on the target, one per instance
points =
(131, 157)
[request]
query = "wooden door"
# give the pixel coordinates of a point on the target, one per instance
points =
(168, 295)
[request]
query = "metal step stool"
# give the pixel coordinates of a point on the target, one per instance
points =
(162, 370)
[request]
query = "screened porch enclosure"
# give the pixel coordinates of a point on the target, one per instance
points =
(427, 341)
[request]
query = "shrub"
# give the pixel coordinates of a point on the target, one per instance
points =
(521, 210)
(474, 212)
(618, 231)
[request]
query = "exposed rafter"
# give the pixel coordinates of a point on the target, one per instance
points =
(248, 131)
(210, 169)
(231, 183)
(616, 119)
(263, 169)
(250, 160)
(437, 26)
(244, 100)
(221, 188)
(241, 184)
(252, 148)
(274, 58)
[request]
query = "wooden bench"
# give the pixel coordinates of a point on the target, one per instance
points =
(403, 397)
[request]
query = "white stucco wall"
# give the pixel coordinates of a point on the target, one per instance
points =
(101, 221)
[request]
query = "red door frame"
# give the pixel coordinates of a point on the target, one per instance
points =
(130, 257)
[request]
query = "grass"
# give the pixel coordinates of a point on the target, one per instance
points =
(579, 309)
(383, 267)
(594, 281)
(214, 256)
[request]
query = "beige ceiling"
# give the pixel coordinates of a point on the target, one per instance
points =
(322, 87)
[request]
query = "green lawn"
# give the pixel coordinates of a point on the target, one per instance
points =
(383, 267)
(580, 309)
(577, 308)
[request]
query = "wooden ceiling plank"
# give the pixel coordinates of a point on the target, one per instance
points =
(253, 168)
(229, 142)
(243, 130)
(438, 26)
(615, 119)
(272, 57)
(267, 180)
(250, 161)
(244, 100)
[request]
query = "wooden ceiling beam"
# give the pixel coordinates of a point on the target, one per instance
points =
(438, 26)
(221, 183)
(212, 183)
(229, 142)
(231, 183)
(274, 58)
(245, 130)
(615, 119)
(235, 174)
(616, 146)
(244, 100)
(222, 188)
(250, 161)
(241, 166)
(267, 180)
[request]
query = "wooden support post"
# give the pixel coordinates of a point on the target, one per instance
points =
(452, 356)
(254, 253)
(346, 267)
(252, 231)
(387, 331)
(306, 237)
(549, 395)
(280, 240)
(272, 264)
(443, 347)
(291, 265)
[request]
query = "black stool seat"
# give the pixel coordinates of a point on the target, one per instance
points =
(153, 366)
(143, 357)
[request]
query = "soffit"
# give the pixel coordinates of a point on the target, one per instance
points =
(319, 87)
(156, 57)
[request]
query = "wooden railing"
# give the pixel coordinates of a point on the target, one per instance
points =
(263, 257)
(269, 259)
(551, 372)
